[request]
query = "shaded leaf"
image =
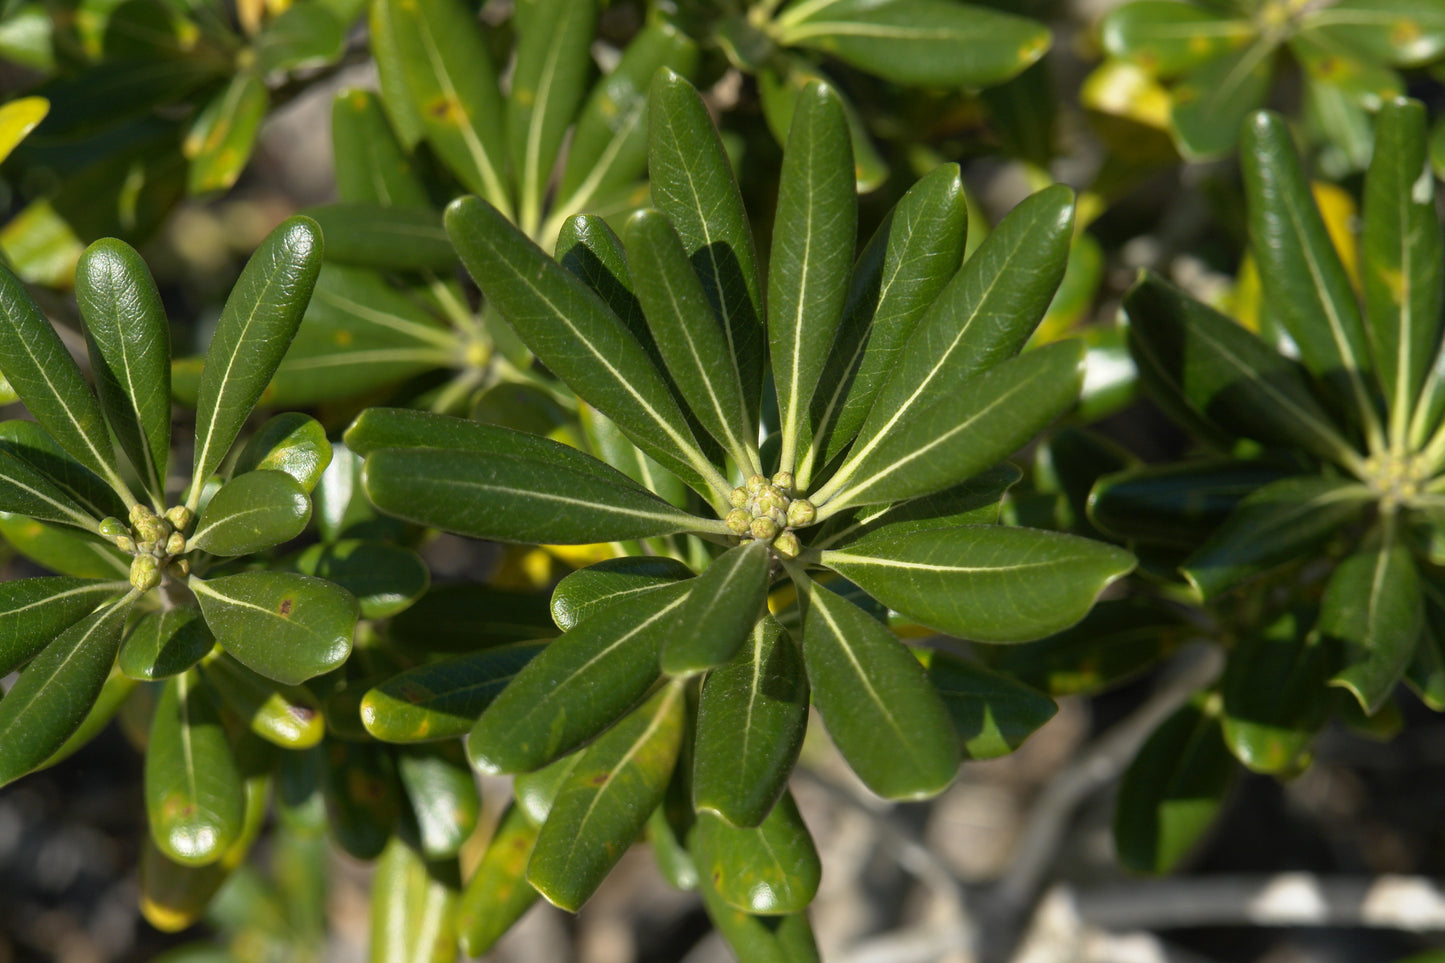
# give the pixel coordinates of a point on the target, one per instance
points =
(1273, 690)
(1210, 103)
(363, 800)
(771, 869)
(386, 579)
(992, 713)
(164, 643)
(442, 699)
(371, 165)
(723, 604)
(290, 442)
(385, 237)
(64, 549)
(498, 893)
(1374, 606)
(33, 611)
(288, 716)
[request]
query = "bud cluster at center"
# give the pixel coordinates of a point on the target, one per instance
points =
(155, 541)
(768, 511)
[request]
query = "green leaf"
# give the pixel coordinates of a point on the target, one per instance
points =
(31, 443)
(1210, 103)
(194, 792)
(610, 445)
(1405, 33)
(443, 794)
(386, 579)
(287, 627)
(876, 701)
(396, 99)
(47, 379)
(290, 442)
(589, 591)
(442, 699)
(518, 499)
(903, 270)
(1375, 607)
(814, 237)
(24, 491)
(374, 235)
(1301, 276)
(548, 81)
(692, 183)
(363, 800)
(1359, 81)
(990, 583)
(760, 939)
(582, 682)
(1280, 522)
(64, 549)
(221, 138)
(993, 713)
(51, 697)
(448, 78)
(114, 694)
(498, 893)
(255, 329)
(664, 837)
(1167, 38)
(1401, 268)
(689, 338)
(578, 338)
(462, 617)
(288, 716)
(303, 35)
(934, 43)
(780, 83)
(251, 513)
(412, 902)
(130, 352)
(1180, 504)
(723, 604)
(371, 165)
(1202, 361)
(608, 151)
(935, 447)
(164, 643)
(606, 799)
(1171, 791)
(591, 250)
(33, 611)
(1273, 690)
(751, 718)
(535, 791)
(771, 869)
(974, 502)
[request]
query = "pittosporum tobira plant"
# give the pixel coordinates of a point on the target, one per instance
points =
(1313, 534)
(756, 575)
(164, 582)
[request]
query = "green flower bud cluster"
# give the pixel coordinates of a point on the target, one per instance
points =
(155, 541)
(768, 511)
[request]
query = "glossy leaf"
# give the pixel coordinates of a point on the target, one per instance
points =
(577, 337)
(33, 611)
(918, 42)
(548, 81)
(992, 713)
(1171, 791)
(903, 270)
(447, 74)
(221, 138)
(52, 695)
(1273, 690)
(371, 165)
(518, 499)
(1374, 606)
(1283, 520)
(974, 502)
(760, 939)
(442, 699)
(498, 893)
(288, 716)
(929, 450)
(47, 379)
(363, 800)
(385, 578)
(1166, 37)
(24, 491)
(989, 583)
(289, 442)
(31, 443)
(606, 799)
(256, 327)
(692, 183)
(536, 791)
(381, 236)
(814, 236)
(723, 604)
(582, 682)
(771, 869)
(164, 643)
(443, 794)
(195, 795)
(64, 549)
(876, 701)
(130, 353)
(589, 591)
(751, 718)
(412, 900)
(287, 627)
(251, 513)
(1210, 103)
(1203, 361)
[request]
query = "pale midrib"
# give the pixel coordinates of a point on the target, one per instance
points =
(792, 405)
(393, 355)
(864, 561)
(150, 470)
(100, 461)
(465, 130)
(677, 515)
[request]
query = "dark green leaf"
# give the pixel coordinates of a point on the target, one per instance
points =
(591, 250)
(760, 939)
(251, 513)
(589, 591)
(606, 799)
(498, 893)
(1273, 690)
(64, 549)
(992, 713)
(287, 627)
(1374, 606)
(255, 329)
(443, 794)
(611, 446)
(371, 166)
(1210, 103)
(31, 443)
(1171, 791)
(975, 502)
(1400, 32)
(385, 578)
(24, 491)
(771, 869)
(303, 35)
(363, 799)
(412, 900)
(535, 791)
(396, 99)
(750, 723)
(195, 796)
(130, 352)
(874, 697)
(723, 604)
(464, 617)
(51, 697)
(33, 611)
(374, 235)
(1178, 504)
(582, 682)
(165, 642)
(288, 716)
(221, 138)
(289, 442)
(442, 700)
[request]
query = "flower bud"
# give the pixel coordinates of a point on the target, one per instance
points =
(801, 513)
(181, 518)
(738, 521)
(176, 544)
(113, 528)
(755, 484)
(787, 545)
(145, 573)
(125, 543)
(763, 529)
(738, 497)
(784, 480)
